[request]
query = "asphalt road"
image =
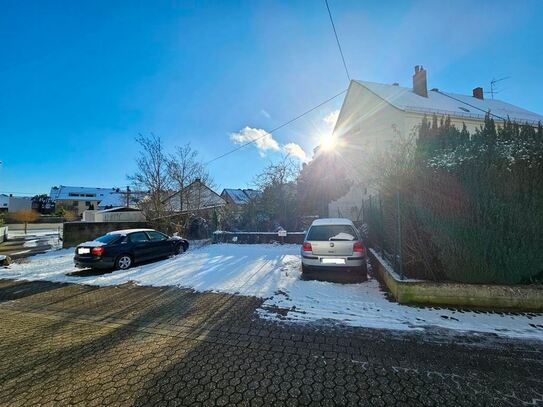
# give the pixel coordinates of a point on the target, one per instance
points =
(64, 344)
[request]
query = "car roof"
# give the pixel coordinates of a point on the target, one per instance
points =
(127, 231)
(332, 221)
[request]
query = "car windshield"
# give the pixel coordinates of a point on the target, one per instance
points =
(107, 239)
(331, 232)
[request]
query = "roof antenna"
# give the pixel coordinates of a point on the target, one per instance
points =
(493, 83)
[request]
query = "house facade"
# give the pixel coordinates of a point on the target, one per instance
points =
(373, 115)
(194, 198)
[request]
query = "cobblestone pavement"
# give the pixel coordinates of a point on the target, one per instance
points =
(66, 344)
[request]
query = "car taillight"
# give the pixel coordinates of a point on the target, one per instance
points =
(97, 251)
(358, 247)
(307, 247)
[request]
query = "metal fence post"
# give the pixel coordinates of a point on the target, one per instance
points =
(400, 260)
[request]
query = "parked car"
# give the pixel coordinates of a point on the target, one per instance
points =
(333, 245)
(122, 248)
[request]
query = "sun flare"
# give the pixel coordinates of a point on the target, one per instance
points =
(328, 143)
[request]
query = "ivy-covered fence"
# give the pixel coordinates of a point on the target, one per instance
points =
(465, 207)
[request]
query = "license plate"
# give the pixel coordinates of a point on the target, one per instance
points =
(83, 250)
(333, 261)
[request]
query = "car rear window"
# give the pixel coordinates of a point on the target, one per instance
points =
(331, 232)
(107, 239)
(139, 237)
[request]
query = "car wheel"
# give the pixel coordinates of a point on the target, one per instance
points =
(123, 262)
(362, 272)
(177, 250)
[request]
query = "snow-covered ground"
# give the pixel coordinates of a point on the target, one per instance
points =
(272, 272)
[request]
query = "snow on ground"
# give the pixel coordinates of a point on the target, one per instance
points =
(272, 272)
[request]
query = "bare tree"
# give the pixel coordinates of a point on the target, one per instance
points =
(184, 168)
(277, 183)
(152, 176)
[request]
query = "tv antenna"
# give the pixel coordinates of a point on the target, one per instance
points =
(493, 87)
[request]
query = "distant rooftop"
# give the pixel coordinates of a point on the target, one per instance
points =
(241, 196)
(63, 192)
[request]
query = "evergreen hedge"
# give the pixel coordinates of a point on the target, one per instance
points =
(471, 204)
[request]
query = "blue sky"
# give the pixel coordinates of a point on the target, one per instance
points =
(79, 80)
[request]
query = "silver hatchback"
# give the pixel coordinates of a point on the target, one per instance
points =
(333, 245)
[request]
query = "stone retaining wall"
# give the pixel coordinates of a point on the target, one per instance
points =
(521, 298)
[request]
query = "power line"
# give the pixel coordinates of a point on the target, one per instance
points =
(337, 40)
(275, 129)
(473, 106)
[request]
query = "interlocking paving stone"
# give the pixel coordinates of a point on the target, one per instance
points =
(66, 344)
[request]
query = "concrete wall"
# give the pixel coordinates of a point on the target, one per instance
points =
(79, 232)
(256, 237)
(100, 216)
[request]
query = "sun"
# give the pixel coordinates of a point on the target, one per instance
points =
(328, 143)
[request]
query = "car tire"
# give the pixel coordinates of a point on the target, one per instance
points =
(362, 273)
(123, 262)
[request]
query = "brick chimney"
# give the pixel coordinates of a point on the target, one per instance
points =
(478, 93)
(420, 87)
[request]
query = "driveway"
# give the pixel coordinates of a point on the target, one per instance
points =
(73, 344)
(272, 273)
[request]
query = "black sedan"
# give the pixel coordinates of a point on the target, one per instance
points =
(122, 248)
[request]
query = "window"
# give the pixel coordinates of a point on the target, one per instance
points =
(107, 239)
(138, 237)
(331, 232)
(157, 236)
(464, 109)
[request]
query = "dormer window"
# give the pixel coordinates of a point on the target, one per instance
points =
(464, 109)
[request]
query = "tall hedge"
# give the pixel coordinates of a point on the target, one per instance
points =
(472, 210)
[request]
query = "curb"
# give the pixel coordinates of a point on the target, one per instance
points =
(511, 298)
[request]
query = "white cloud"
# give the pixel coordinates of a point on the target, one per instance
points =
(264, 113)
(331, 118)
(295, 150)
(262, 139)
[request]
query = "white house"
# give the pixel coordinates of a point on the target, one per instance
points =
(79, 199)
(373, 114)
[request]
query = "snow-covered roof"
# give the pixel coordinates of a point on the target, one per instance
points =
(113, 199)
(63, 192)
(332, 221)
(451, 104)
(241, 196)
(119, 209)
